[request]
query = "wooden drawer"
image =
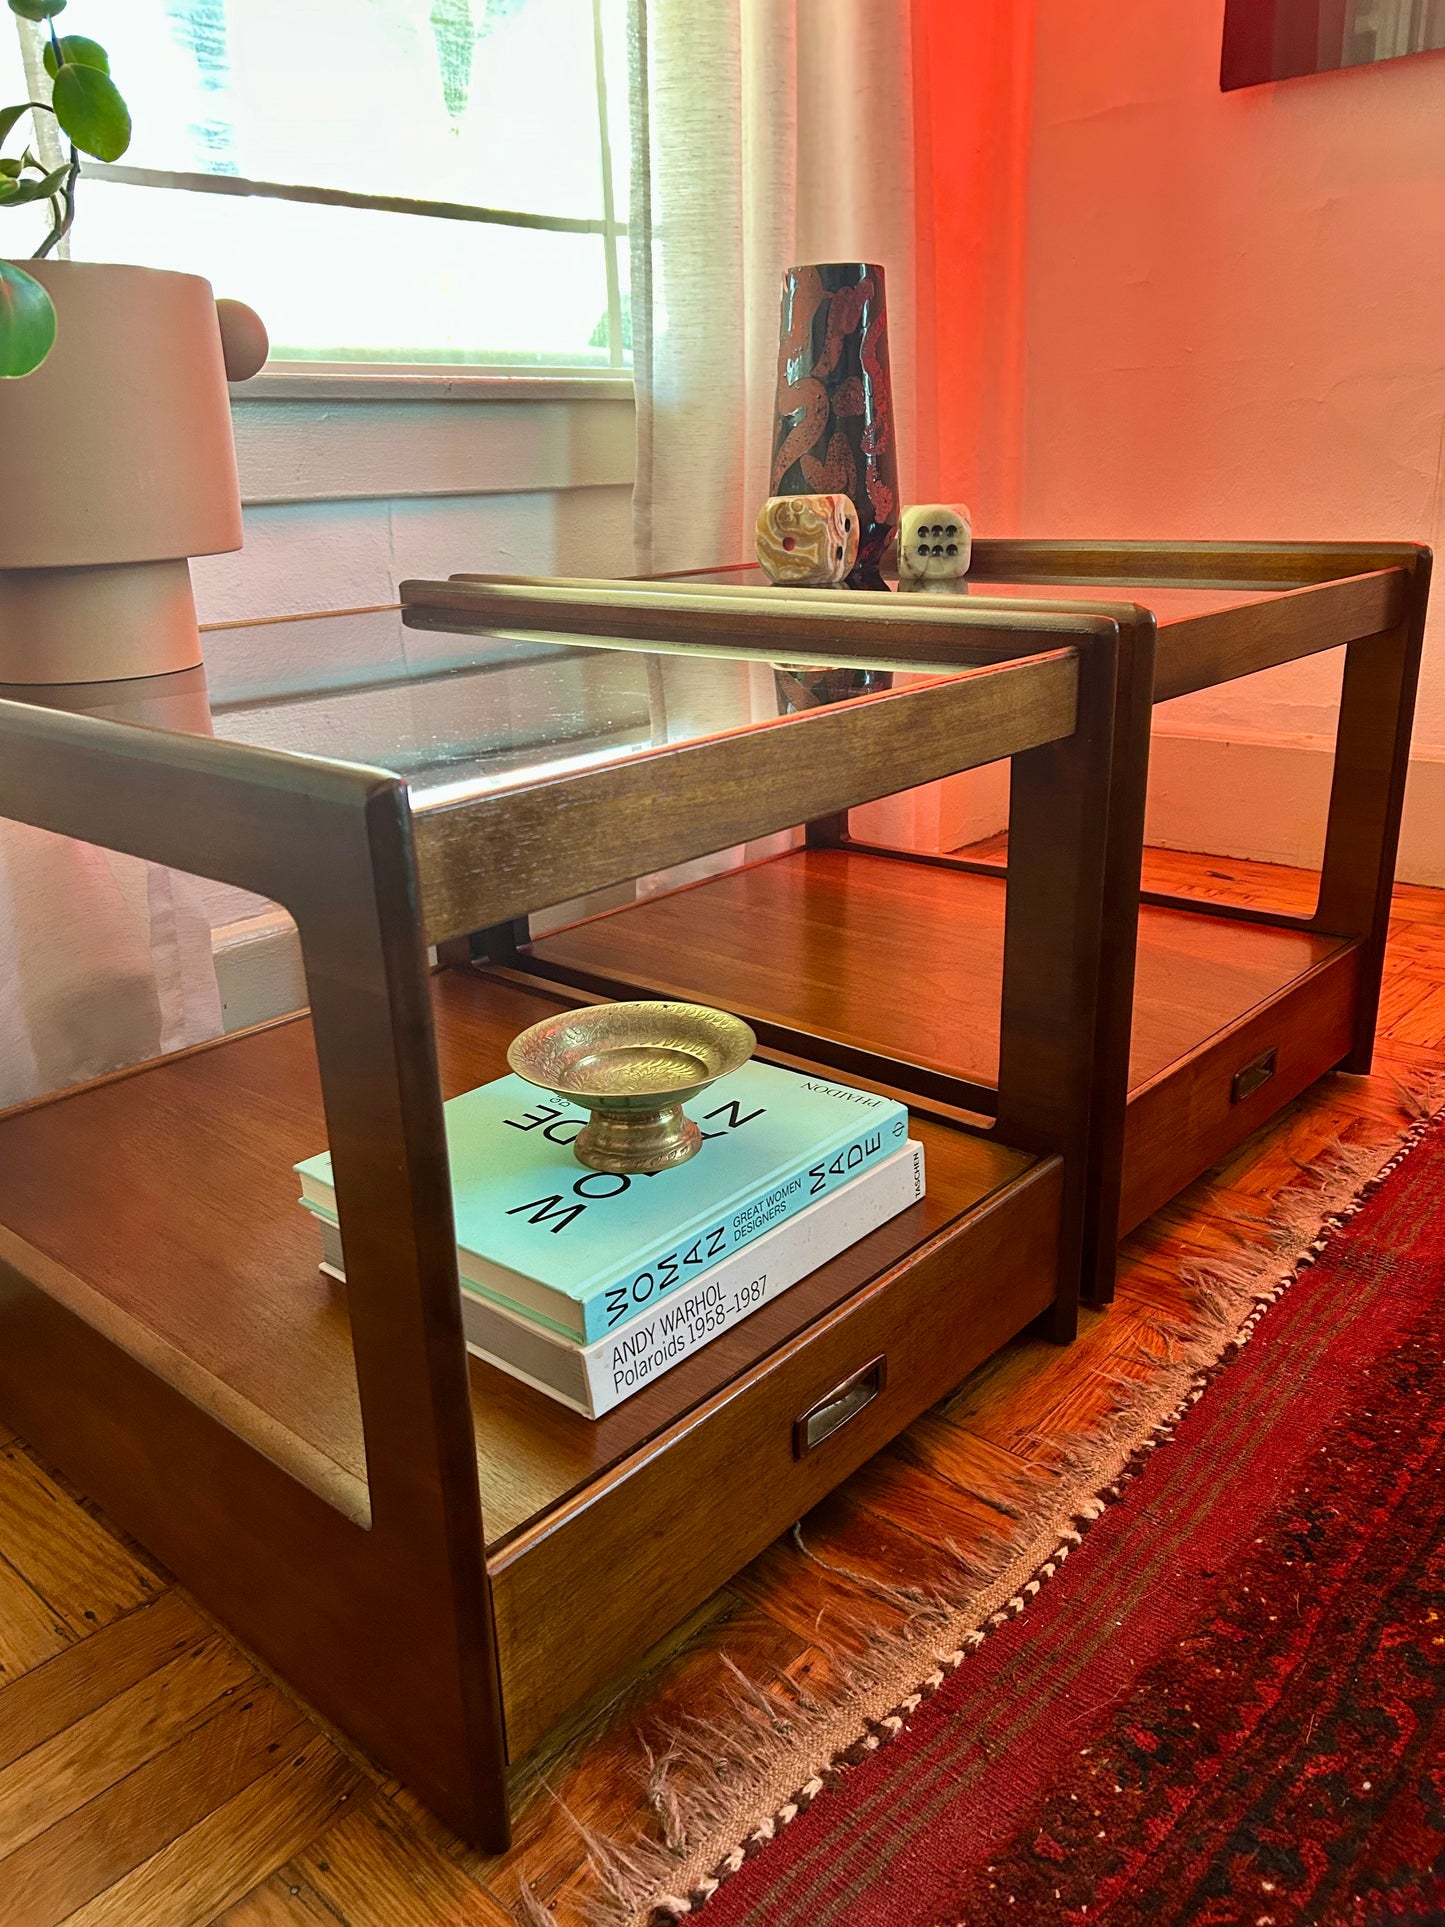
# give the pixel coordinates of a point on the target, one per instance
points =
(1198, 1110)
(686, 1512)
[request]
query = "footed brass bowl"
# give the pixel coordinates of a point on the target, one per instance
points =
(633, 1066)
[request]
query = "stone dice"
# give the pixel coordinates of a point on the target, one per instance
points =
(934, 546)
(808, 541)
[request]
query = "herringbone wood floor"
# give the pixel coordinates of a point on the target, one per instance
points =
(150, 1776)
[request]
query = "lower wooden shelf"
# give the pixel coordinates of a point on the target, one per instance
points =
(160, 1206)
(906, 958)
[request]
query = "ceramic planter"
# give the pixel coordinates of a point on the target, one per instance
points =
(116, 465)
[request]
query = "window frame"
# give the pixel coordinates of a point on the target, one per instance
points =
(381, 379)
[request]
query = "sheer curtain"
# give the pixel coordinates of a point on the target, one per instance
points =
(105, 960)
(764, 133)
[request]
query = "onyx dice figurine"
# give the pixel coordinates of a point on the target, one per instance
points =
(808, 541)
(934, 546)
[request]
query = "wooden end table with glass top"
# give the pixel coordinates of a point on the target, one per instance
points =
(1224, 1013)
(441, 1559)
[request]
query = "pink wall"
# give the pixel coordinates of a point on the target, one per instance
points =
(1235, 311)
(972, 71)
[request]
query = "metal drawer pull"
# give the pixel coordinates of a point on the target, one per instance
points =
(845, 1401)
(1259, 1070)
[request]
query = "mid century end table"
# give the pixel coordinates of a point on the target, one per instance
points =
(441, 1559)
(1222, 1015)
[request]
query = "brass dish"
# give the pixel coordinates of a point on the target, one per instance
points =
(634, 1066)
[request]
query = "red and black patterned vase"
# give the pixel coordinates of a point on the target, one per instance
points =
(834, 430)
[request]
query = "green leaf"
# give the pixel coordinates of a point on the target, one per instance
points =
(10, 168)
(23, 192)
(91, 112)
(27, 322)
(9, 116)
(37, 9)
(79, 51)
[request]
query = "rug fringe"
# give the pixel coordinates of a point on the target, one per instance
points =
(530, 1912)
(711, 1789)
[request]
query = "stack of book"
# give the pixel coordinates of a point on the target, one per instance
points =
(590, 1286)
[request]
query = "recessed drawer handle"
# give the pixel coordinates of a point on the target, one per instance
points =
(1259, 1070)
(845, 1401)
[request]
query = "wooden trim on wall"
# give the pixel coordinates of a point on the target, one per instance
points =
(290, 451)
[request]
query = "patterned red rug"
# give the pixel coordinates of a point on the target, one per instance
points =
(1229, 1706)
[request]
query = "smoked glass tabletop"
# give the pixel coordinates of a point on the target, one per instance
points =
(457, 713)
(1171, 603)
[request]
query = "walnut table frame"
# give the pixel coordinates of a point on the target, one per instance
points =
(396, 1528)
(1232, 1018)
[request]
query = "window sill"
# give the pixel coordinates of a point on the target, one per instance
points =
(304, 436)
(298, 381)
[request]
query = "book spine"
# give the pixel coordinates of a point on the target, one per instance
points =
(599, 1376)
(605, 1310)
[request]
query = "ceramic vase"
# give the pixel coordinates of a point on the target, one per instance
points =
(800, 686)
(834, 433)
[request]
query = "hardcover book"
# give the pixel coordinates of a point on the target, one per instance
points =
(593, 1378)
(586, 1251)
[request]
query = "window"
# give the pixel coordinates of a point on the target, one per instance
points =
(401, 181)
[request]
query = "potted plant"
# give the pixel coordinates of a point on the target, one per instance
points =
(116, 457)
(89, 110)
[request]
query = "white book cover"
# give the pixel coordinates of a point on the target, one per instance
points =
(594, 1378)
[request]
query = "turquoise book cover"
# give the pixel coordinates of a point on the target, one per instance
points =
(586, 1250)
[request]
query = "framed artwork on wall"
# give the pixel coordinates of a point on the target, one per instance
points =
(1282, 39)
